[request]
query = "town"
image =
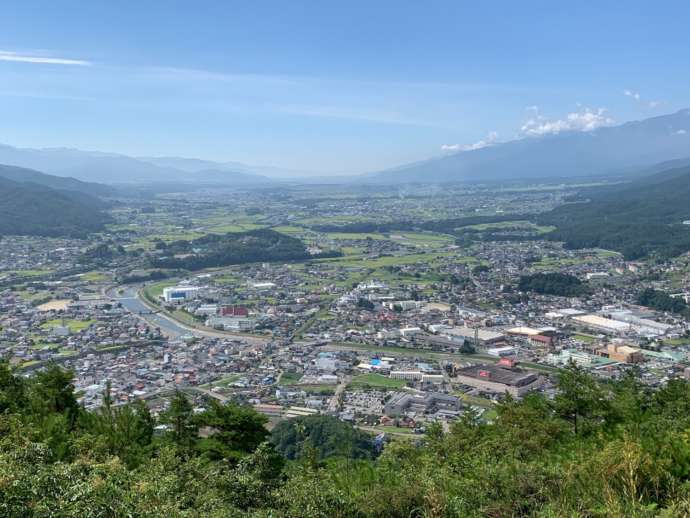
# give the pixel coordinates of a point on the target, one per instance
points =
(388, 328)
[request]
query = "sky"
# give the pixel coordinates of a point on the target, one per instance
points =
(333, 87)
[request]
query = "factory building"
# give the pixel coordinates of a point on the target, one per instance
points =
(500, 378)
(483, 335)
(425, 403)
(622, 353)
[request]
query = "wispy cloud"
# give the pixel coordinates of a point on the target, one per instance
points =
(6, 55)
(489, 140)
(352, 113)
(42, 95)
(630, 93)
(586, 119)
(638, 98)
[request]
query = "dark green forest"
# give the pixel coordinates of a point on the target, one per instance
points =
(561, 284)
(597, 449)
(32, 209)
(215, 250)
(662, 301)
(642, 219)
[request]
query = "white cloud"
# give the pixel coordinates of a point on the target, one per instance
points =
(45, 60)
(489, 140)
(584, 120)
(681, 132)
(638, 98)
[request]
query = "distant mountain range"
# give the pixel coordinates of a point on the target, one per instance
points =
(613, 150)
(604, 151)
(111, 168)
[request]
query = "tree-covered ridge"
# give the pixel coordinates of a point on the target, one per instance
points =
(31, 209)
(214, 250)
(596, 449)
(561, 284)
(662, 301)
(641, 219)
(322, 436)
(61, 183)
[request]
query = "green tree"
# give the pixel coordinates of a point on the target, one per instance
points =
(233, 430)
(13, 396)
(581, 399)
(53, 393)
(183, 427)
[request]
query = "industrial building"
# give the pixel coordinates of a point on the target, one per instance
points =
(602, 324)
(423, 403)
(231, 323)
(482, 335)
(622, 353)
(500, 378)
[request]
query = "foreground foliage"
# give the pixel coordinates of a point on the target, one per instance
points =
(597, 449)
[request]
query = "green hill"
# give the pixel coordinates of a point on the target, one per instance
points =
(644, 218)
(24, 175)
(32, 209)
(233, 248)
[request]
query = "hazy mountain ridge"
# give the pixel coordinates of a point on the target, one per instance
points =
(111, 168)
(599, 152)
(24, 175)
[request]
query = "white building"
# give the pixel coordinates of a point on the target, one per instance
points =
(180, 294)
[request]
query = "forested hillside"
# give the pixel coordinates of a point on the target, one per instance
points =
(233, 248)
(597, 449)
(560, 284)
(24, 175)
(32, 209)
(643, 218)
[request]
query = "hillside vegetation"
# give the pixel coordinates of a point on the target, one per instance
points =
(641, 219)
(24, 175)
(32, 209)
(598, 449)
(215, 250)
(560, 284)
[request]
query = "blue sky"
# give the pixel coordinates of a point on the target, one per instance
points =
(331, 86)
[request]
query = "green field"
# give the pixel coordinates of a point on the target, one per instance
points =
(74, 325)
(677, 341)
(30, 273)
(154, 291)
(94, 276)
(290, 378)
(380, 262)
(354, 236)
(234, 227)
(364, 381)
